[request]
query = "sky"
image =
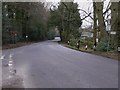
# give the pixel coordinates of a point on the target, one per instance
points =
(87, 6)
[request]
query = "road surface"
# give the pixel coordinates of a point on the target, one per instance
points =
(50, 65)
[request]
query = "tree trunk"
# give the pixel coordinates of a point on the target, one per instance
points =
(118, 30)
(114, 22)
(95, 24)
(101, 23)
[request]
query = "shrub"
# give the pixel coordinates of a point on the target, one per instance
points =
(51, 34)
(73, 42)
(71, 36)
(102, 46)
(64, 35)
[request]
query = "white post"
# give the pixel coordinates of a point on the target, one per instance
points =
(11, 66)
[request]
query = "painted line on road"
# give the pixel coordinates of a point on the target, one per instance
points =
(11, 55)
(2, 57)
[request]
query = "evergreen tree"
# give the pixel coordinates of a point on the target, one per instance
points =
(67, 18)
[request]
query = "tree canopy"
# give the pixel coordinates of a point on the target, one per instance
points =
(67, 18)
(24, 20)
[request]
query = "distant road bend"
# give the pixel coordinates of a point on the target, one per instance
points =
(50, 65)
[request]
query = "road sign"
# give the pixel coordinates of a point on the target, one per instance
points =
(97, 40)
(108, 27)
(13, 33)
(113, 32)
(118, 48)
(26, 36)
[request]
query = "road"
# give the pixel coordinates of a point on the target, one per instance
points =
(50, 65)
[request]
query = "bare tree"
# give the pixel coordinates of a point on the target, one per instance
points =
(114, 22)
(118, 30)
(95, 23)
(101, 23)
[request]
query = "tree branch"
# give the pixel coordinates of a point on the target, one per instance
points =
(87, 14)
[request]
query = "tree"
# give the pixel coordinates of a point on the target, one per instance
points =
(95, 23)
(101, 23)
(67, 18)
(21, 19)
(118, 30)
(114, 22)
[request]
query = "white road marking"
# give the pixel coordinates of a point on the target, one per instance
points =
(11, 55)
(2, 57)
(10, 76)
(10, 61)
(10, 64)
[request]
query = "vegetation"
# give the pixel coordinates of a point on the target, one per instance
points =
(24, 20)
(67, 18)
(32, 21)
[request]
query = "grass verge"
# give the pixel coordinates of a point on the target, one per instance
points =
(19, 44)
(110, 54)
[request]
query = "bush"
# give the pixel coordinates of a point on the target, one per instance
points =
(37, 33)
(112, 48)
(5, 39)
(102, 46)
(51, 34)
(73, 42)
(84, 42)
(71, 36)
(64, 35)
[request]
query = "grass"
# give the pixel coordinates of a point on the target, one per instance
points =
(110, 54)
(18, 44)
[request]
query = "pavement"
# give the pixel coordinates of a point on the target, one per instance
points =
(50, 65)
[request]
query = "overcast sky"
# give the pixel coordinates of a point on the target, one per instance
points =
(87, 6)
